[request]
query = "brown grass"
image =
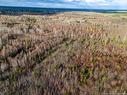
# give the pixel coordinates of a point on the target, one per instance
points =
(63, 54)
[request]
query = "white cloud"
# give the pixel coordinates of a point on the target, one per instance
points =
(104, 3)
(120, 2)
(97, 2)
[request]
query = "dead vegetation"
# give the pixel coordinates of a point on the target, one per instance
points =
(63, 54)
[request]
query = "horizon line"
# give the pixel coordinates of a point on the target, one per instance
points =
(63, 8)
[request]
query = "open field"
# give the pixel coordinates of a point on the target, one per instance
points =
(69, 53)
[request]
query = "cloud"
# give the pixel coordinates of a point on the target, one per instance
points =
(103, 4)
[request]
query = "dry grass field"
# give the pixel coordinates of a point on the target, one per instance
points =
(69, 53)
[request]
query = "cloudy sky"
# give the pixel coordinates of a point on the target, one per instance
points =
(94, 4)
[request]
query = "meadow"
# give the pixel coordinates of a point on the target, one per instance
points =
(71, 53)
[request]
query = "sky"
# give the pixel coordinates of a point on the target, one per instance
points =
(93, 4)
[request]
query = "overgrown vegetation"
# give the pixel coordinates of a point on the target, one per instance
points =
(63, 54)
